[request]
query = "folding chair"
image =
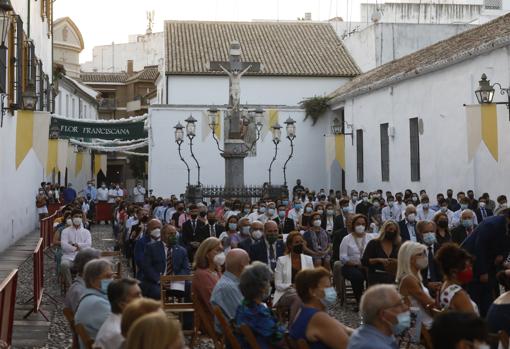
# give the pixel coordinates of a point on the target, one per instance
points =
(226, 328)
(69, 315)
(206, 322)
(111, 255)
(84, 336)
(249, 336)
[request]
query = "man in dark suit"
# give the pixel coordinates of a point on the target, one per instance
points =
(164, 257)
(269, 248)
(431, 275)
(192, 232)
(256, 233)
(212, 228)
(482, 212)
(339, 227)
(408, 225)
(285, 224)
(364, 205)
(453, 205)
(465, 228)
(489, 244)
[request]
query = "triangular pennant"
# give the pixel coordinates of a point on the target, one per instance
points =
(51, 164)
(473, 128)
(41, 128)
(490, 128)
(24, 134)
(340, 150)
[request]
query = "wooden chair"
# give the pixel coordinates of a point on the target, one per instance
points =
(117, 265)
(426, 339)
(205, 322)
(69, 315)
(249, 336)
(503, 339)
(84, 336)
(226, 328)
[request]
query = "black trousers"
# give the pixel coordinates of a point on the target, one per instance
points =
(357, 278)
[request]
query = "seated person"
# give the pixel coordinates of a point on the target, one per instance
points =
(226, 293)
(255, 285)
(78, 287)
(465, 228)
(312, 322)
(120, 293)
(287, 267)
(318, 244)
(94, 307)
(155, 331)
(381, 254)
(459, 330)
(385, 314)
(412, 258)
(455, 264)
(135, 310)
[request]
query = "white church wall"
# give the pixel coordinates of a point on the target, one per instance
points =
(167, 174)
(437, 98)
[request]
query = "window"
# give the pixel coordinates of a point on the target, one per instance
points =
(385, 153)
(67, 105)
(414, 133)
(41, 85)
(73, 112)
(359, 154)
(19, 60)
(492, 4)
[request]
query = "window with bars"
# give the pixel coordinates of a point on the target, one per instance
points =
(48, 92)
(385, 152)
(359, 155)
(493, 4)
(19, 60)
(40, 83)
(3, 69)
(414, 134)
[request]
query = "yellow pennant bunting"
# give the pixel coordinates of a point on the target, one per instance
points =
(40, 142)
(217, 128)
(51, 164)
(63, 146)
(99, 163)
(490, 128)
(24, 134)
(340, 150)
(78, 165)
(71, 161)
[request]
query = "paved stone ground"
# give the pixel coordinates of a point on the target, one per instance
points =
(59, 335)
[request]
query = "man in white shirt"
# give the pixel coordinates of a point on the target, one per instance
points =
(138, 193)
(255, 216)
(73, 239)
(120, 293)
(391, 212)
(114, 193)
(424, 212)
(456, 217)
(102, 193)
(296, 212)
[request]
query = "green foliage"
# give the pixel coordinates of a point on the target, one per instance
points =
(315, 107)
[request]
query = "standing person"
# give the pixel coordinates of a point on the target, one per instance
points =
(453, 205)
(297, 188)
(489, 245)
(41, 202)
(91, 190)
(102, 193)
(139, 193)
(192, 231)
(473, 203)
(256, 233)
(73, 239)
(69, 194)
(482, 212)
(230, 238)
(351, 251)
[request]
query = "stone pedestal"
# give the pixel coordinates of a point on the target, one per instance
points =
(234, 154)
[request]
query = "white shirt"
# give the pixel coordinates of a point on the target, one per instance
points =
(115, 193)
(349, 249)
(425, 215)
(71, 235)
(109, 336)
(102, 194)
(138, 194)
(294, 215)
(456, 218)
(391, 213)
(254, 216)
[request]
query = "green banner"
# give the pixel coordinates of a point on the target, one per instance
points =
(60, 128)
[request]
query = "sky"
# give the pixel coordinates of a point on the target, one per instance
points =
(104, 21)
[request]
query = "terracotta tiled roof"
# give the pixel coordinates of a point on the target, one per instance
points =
(99, 77)
(283, 48)
(468, 44)
(149, 73)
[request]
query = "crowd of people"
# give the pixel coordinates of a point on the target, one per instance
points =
(416, 267)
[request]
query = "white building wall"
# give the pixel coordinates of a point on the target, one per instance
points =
(438, 99)
(148, 50)
(89, 110)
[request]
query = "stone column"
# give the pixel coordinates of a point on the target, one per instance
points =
(234, 155)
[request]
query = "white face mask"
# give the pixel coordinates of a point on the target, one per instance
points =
(77, 221)
(411, 217)
(257, 234)
(219, 259)
(69, 222)
(156, 233)
(359, 229)
(317, 223)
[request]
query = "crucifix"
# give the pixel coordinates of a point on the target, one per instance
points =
(235, 147)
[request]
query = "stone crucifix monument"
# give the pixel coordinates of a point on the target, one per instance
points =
(235, 149)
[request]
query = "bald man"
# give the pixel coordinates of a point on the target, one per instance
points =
(226, 293)
(163, 257)
(152, 233)
(256, 233)
(269, 248)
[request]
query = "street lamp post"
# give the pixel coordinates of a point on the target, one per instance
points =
(191, 133)
(291, 135)
(277, 135)
(179, 138)
(485, 92)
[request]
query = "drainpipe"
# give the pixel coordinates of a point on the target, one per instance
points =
(28, 19)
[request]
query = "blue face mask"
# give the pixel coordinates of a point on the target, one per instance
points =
(329, 296)
(104, 285)
(429, 238)
(403, 322)
(232, 226)
(285, 202)
(467, 223)
(298, 206)
(281, 214)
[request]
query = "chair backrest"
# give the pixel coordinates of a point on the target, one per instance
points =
(69, 315)
(503, 339)
(226, 328)
(249, 336)
(84, 336)
(165, 282)
(206, 321)
(117, 265)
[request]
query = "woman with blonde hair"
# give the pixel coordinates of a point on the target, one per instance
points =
(412, 257)
(380, 256)
(207, 265)
(155, 331)
(135, 310)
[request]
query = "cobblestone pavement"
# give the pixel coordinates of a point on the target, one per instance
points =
(59, 335)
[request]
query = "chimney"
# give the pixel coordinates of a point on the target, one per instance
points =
(308, 16)
(130, 67)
